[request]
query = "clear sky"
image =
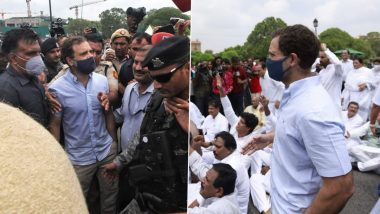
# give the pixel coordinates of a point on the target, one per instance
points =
(219, 24)
(60, 8)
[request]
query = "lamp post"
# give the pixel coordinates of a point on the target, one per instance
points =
(315, 23)
(51, 19)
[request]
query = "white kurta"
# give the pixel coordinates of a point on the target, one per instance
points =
(332, 77)
(271, 89)
(347, 67)
(351, 91)
(260, 186)
(225, 205)
(200, 168)
(352, 125)
(233, 120)
(196, 115)
(211, 126)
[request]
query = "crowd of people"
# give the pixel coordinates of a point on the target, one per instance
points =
(115, 107)
(291, 126)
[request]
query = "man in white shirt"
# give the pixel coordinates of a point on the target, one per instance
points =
(367, 154)
(358, 87)
(332, 73)
(346, 63)
(225, 152)
(217, 188)
(215, 122)
(241, 127)
(376, 72)
(352, 121)
(195, 115)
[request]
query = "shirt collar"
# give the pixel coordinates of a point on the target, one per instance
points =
(298, 87)
(150, 89)
(72, 77)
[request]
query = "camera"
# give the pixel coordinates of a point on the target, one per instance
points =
(138, 13)
(219, 70)
(56, 28)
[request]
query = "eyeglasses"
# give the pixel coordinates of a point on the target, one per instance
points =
(164, 78)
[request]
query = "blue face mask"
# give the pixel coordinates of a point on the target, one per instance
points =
(275, 68)
(85, 66)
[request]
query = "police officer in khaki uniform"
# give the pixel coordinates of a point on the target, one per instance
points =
(119, 43)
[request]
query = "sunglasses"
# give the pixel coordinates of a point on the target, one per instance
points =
(164, 78)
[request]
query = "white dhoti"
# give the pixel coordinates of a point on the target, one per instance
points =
(368, 157)
(260, 186)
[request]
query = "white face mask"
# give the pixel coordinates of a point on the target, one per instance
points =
(34, 66)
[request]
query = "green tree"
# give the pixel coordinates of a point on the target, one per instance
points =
(337, 39)
(259, 39)
(111, 20)
(161, 17)
(228, 53)
(76, 26)
(197, 56)
(373, 39)
(363, 46)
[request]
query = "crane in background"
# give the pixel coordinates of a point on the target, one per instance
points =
(82, 5)
(28, 7)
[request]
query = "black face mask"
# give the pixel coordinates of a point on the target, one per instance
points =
(85, 66)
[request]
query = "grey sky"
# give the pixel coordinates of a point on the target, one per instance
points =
(219, 24)
(60, 8)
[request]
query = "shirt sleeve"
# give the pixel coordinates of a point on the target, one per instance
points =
(325, 144)
(9, 95)
(197, 166)
(229, 111)
(224, 125)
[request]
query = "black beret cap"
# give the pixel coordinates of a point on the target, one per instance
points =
(167, 52)
(49, 44)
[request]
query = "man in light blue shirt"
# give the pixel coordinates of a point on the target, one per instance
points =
(311, 170)
(136, 97)
(88, 126)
